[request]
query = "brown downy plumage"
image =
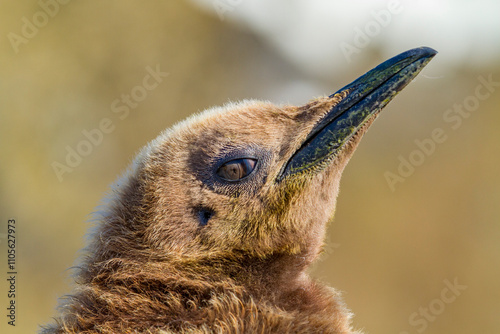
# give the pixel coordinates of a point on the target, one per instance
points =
(212, 228)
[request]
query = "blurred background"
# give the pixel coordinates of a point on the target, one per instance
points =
(416, 214)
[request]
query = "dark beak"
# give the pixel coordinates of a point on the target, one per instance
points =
(366, 96)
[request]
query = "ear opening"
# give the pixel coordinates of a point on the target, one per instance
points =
(204, 215)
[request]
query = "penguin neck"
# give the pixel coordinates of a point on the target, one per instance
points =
(283, 280)
(274, 275)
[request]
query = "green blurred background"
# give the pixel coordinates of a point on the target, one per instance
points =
(391, 250)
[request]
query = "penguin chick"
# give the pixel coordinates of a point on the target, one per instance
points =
(212, 228)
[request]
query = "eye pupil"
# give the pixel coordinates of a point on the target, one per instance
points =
(236, 169)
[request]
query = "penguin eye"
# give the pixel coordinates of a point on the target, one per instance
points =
(237, 169)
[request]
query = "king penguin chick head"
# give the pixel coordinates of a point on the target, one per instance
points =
(214, 225)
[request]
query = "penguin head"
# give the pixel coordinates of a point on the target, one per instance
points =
(251, 179)
(217, 184)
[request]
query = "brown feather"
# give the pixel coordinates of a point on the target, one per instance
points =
(151, 267)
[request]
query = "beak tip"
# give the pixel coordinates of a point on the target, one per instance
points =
(423, 51)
